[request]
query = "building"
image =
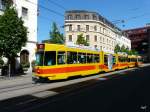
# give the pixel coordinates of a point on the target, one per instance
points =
(27, 9)
(97, 30)
(140, 41)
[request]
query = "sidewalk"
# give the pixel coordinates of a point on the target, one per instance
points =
(15, 80)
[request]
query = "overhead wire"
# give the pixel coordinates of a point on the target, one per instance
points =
(50, 10)
(62, 7)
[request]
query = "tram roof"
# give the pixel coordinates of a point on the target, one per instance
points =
(58, 47)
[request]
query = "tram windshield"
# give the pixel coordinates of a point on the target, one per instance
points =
(50, 58)
(46, 58)
(39, 58)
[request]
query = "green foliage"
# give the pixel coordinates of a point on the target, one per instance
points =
(25, 65)
(13, 35)
(123, 49)
(117, 48)
(55, 36)
(8, 3)
(132, 52)
(81, 40)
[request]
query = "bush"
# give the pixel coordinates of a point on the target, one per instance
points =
(25, 65)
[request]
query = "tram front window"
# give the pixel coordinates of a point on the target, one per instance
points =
(50, 58)
(39, 58)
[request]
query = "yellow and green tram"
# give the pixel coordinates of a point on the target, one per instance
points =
(56, 62)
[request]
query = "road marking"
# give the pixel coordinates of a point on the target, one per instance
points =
(102, 78)
(44, 94)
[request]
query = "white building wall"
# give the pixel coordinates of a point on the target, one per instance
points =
(105, 40)
(122, 40)
(107, 37)
(30, 21)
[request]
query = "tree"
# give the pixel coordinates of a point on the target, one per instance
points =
(55, 36)
(123, 49)
(117, 48)
(13, 35)
(132, 52)
(81, 40)
(8, 3)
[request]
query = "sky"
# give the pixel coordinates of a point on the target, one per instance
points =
(135, 13)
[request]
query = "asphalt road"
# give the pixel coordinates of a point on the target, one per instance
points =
(129, 92)
(124, 92)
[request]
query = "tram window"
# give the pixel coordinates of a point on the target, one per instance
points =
(50, 58)
(114, 59)
(140, 59)
(106, 60)
(89, 58)
(96, 58)
(39, 58)
(61, 58)
(121, 59)
(132, 60)
(124, 59)
(71, 57)
(81, 57)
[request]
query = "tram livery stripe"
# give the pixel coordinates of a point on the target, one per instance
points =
(66, 69)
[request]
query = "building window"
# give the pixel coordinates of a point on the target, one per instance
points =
(95, 28)
(78, 17)
(78, 28)
(87, 37)
(2, 5)
(69, 17)
(24, 57)
(95, 46)
(86, 17)
(100, 47)
(100, 39)
(95, 38)
(70, 38)
(94, 17)
(104, 30)
(87, 27)
(100, 29)
(103, 40)
(70, 27)
(24, 13)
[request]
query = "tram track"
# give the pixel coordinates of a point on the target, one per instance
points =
(17, 87)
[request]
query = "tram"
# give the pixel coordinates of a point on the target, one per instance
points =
(54, 62)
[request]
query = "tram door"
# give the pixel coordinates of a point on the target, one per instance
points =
(109, 61)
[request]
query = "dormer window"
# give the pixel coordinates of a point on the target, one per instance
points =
(94, 17)
(86, 17)
(78, 17)
(69, 17)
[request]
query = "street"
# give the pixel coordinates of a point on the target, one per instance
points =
(124, 92)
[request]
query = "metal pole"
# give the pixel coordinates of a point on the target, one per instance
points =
(9, 70)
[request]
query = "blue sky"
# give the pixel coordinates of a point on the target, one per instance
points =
(136, 13)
